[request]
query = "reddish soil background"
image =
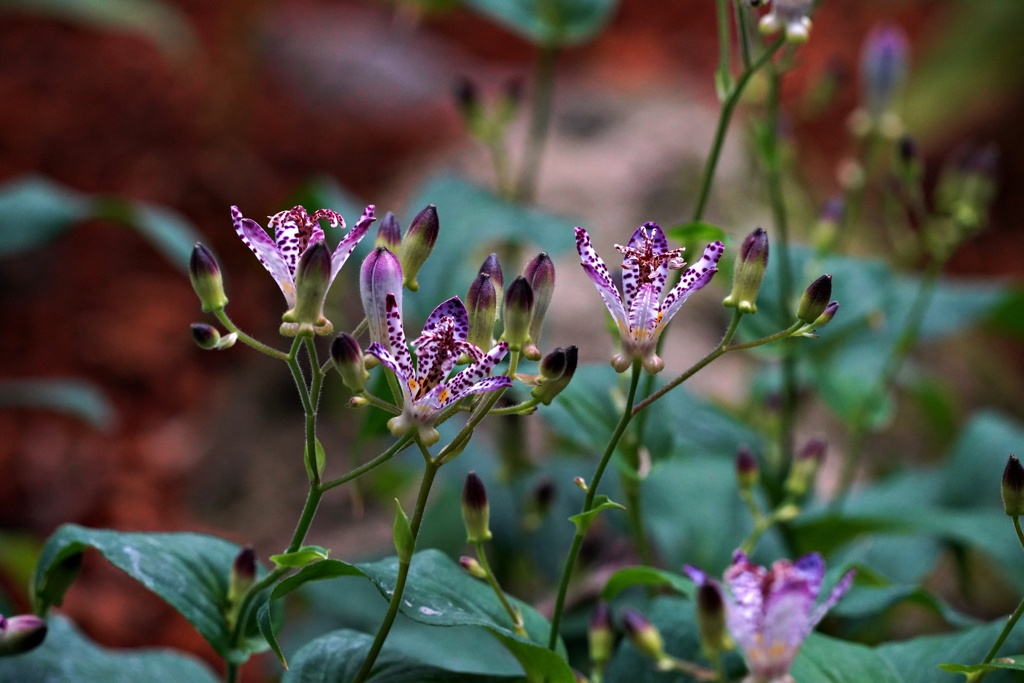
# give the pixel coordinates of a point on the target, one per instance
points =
(109, 113)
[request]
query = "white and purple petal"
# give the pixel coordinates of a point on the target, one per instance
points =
(598, 272)
(483, 386)
(396, 338)
(833, 597)
(294, 231)
(643, 315)
(454, 309)
(260, 243)
(348, 243)
(474, 372)
(693, 279)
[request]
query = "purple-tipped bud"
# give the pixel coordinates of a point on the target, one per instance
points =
(601, 634)
(492, 267)
(206, 279)
(751, 264)
(540, 273)
(312, 280)
(711, 619)
(476, 512)
(389, 233)
(883, 67)
(643, 634)
(417, 244)
(472, 567)
(380, 275)
(815, 299)
(21, 633)
(826, 316)
(581, 483)
(243, 575)
(1013, 487)
(747, 472)
(482, 306)
(562, 361)
(805, 466)
(205, 336)
(348, 361)
(517, 312)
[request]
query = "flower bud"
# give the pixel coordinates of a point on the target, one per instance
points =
(883, 67)
(643, 634)
(751, 263)
(826, 316)
(348, 361)
(711, 619)
(389, 233)
(815, 299)
(552, 385)
(581, 483)
(472, 567)
(826, 229)
(492, 267)
(380, 275)
(1013, 487)
(482, 306)
(518, 310)
(746, 469)
(540, 273)
(476, 512)
(243, 575)
(21, 633)
(417, 244)
(312, 279)
(600, 634)
(805, 467)
(208, 338)
(206, 280)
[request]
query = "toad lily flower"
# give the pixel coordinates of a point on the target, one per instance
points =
(640, 314)
(771, 611)
(296, 234)
(425, 390)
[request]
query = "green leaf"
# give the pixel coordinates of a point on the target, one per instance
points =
(167, 231)
(37, 210)
(630, 577)
(696, 232)
(80, 399)
(583, 520)
(67, 656)
(1011, 663)
(972, 473)
(917, 660)
(158, 21)
(307, 554)
(189, 571)
(321, 461)
(828, 660)
(549, 22)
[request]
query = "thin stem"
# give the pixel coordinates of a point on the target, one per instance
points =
(526, 407)
(540, 121)
(1003, 635)
(314, 404)
(588, 502)
(395, 448)
(306, 517)
(723, 75)
(724, 117)
(452, 450)
(513, 613)
(378, 402)
(429, 472)
(231, 670)
(222, 316)
(742, 33)
(1016, 526)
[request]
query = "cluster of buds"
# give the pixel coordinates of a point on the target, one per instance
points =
(556, 371)
(816, 309)
(963, 195)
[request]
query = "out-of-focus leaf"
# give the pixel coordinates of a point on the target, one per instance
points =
(974, 469)
(549, 22)
(66, 656)
(830, 660)
(74, 397)
(168, 231)
(917, 660)
(307, 554)
(631, 577)
(35, 211)
(584, 519)
(697, 232)
(158, 21)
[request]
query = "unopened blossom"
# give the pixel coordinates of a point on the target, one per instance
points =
(789, 16)
(770, 611)
(639, 313)
(425, 387)
(296, 231)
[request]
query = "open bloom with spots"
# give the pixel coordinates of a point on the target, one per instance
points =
(639, 313)
(771, 611)
(296, 231)
(425, 387)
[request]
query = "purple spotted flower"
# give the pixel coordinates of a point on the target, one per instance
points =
(296, 231)
(639, 313)
(425, 387)
(771, 611)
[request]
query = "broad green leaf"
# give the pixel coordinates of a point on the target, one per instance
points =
(631, 577)
(74, 397)
(549, 22)
(584, 519)
(158, 21)
(307, 554)
(35, 211)
(828, 660)
(67, 656)
(1011, 663)
(917, 660)
(974, 469)
(189, 571)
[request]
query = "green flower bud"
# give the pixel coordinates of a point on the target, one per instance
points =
(482, 306)
(405, 542)
(1013, 487)
(561, 359)
(805, 467)
(518, 310)
(348, 361)
(476, 512)
(206, 280)
(417, 244)
(389, 234)
(643, 634)
(21, 633)
(312, 280)
(600, 634)
(746, 469)
(472, 567)
(815, 299)
(243, 575)
(540, 273)
(751, 263)
(492, 267)
(711, 619)
(208, 338)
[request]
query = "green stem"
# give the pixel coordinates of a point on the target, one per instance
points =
(513, 613)
(1016, 526)
(1003, 635)
(724, 117)
(232, 670)
(723, 75)
(429, 472)
(540, 121)
(395, 448)
(452, 450)
(222, 316)
(523, 408)
(588, 502)
(742, 34)
(316, 383)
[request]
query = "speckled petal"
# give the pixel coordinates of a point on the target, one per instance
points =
(833, 597)
(466, 377)
(396, 337)
(348, 243)
(389, 361)
(260, 243)
(694, 278)
(598, 272)
(485, 385)
(644, 316)
(648, 234)
(746, 605)
(454, 309)
(294, 231)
